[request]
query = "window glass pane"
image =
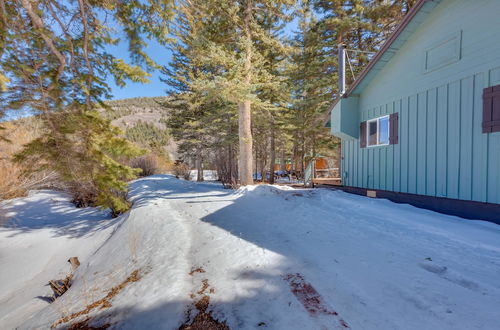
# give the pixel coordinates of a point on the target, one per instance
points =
(372, 133)
(383, 126)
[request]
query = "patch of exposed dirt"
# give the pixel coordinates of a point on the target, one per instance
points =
(204, 319)
(196, 270)
(312, 301)
(204, 286)
(101, 303)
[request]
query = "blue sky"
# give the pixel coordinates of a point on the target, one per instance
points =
(155, 88)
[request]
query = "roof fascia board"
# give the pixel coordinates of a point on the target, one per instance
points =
(390, 46)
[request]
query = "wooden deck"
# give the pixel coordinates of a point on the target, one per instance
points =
(328, 181)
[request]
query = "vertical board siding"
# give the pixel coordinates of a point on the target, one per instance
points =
(412, 144)
(480, 143)
(376, 167)
(351, 163)
(441, 151)
(383, 168)
(442, 141)
(403, 139)
(343, 158)
(421, 143)
(494, 152)
(389, 158)
(466, 137)
(354, 167)
(453, 139)
(431, 135)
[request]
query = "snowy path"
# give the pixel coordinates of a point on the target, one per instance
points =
(268, 258)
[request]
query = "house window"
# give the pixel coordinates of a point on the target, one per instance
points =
(378, 131)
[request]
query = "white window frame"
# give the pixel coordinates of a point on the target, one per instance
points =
(377, 120)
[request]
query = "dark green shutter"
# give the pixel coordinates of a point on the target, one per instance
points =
(491, 109)
(362, 135)
(393, 128)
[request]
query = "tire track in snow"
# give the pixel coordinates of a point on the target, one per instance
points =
(312, 301)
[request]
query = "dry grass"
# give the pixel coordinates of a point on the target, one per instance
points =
(101, 303)
(84, 325)
(12, 182)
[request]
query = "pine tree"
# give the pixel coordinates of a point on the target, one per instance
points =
(360, 25)
(188, 117)
(58, 72)
(269, 116)
(231, 45)
(313, 86)
(220, 64)
(91, 168)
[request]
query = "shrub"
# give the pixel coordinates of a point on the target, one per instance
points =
(148, 164)
(88, 154)
(83, 194)
(182, 170)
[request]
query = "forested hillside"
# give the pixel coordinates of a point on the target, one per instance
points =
(144, 121)
(144, 105)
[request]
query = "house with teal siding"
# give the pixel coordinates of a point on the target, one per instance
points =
(421, 123)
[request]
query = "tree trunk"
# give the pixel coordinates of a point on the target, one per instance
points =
(302, 156)
(245, 139)
(245, 109)
(233, 173)
(199, 167)
(282, 161)
(295, 152)
(256, 160)
(272, 153)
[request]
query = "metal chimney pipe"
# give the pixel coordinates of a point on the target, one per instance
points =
(342, 58)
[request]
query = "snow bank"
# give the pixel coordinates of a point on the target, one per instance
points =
(267, 257)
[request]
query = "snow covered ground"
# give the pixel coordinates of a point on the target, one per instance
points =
(38, 234)
(268, 257)
(208, 175)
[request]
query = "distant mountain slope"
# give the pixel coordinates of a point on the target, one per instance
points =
(143, 114)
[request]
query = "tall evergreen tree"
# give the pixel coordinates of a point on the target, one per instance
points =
(188, 119)
(223, 62)
(240, 62)
(313, 86)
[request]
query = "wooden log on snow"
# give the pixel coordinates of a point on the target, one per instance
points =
(75, 263)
